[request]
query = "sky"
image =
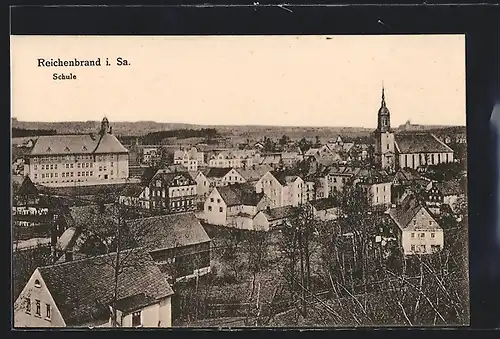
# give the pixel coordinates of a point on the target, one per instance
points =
(243, 80)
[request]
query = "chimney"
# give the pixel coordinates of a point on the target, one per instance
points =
(68, 256)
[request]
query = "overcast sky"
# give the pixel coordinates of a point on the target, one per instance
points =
(270, 80)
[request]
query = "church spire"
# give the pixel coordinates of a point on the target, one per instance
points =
(383, 95)
(384, 123)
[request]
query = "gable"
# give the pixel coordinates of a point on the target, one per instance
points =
(423, 220)
(36, 289)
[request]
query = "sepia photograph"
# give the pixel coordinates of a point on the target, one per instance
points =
(310, 181)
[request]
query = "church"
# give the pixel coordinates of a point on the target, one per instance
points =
(406, 150)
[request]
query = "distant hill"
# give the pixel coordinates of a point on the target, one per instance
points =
(140, 128)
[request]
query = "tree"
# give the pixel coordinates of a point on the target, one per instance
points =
(317, 142)
(284, 140)
(296, 249)
(269, 145)
(107, 232)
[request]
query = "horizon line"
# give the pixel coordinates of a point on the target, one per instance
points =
(234, 125)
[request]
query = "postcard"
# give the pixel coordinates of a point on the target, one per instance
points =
(239, 181)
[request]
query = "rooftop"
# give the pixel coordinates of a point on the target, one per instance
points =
(420, 143)
(168, 231)
(239, 194)
(83, 289)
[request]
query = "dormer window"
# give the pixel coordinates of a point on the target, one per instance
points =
(37, 283)
(66, 149)
(84, 148)
(49, 149)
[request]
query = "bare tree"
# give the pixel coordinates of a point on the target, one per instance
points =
(105, 231)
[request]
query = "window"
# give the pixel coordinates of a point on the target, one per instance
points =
(433, 235)
(221, 209)
(36, 175)
(412, 248)
(35, 166)
(37, 312)
(71, 166)
(136, 319)
(78, 173)
(210, 208)
(28, 305)
(37, 283)
(422, 235)
(218, 201)
(78, 165)
(211, 199)
(47, 311)
(413, 235)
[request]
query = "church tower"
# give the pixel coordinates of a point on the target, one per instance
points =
(104, 126)
(384, 139)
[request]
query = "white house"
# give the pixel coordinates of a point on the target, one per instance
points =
(282, 189)
(234, 205)
(417, 231)
(218, 177)
(79, 293)
(192, 159)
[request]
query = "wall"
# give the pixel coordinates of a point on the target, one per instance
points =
(214, 216)
(414, 160)
(272, 188)
(381, 194)
(66, 170)
(233, 177)
(422, 223)
(151, 315)
(202, 185)
(260, 222)
(22, 319)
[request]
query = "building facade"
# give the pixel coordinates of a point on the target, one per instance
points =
(79, 293)
(78, 160)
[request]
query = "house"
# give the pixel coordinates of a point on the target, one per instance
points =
(134, 194)
(254, 173)
(151, 154)
(36, 215)
(444, 193)
(218, 176)
(377, 185)
(407, 149)
(272, 160)
(80, 159)
(171, 192)
(407, 178)
(416, 229)
(177, 243)
(283, 189)
(91, 229)
(340, 176)
(202, 185)
(309, 189)
(192, 159)
(234, 205)
(79, 293)
(325, 209)
(271, 218)
(231, 158)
